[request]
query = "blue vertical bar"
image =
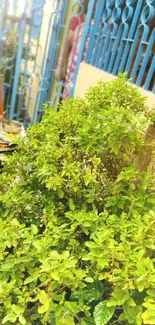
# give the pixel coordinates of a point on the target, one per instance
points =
(150, 75)
(140, 50)
(94, 29)
(132, 30)
(47, 67)
(120, 45)
(82, 46)
(56, 50)
(146, 58)
(18, 60)
(34, 10)
(108, 46)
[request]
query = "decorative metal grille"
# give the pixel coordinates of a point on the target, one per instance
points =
(117, 36)
(122, 38)
(29, 44)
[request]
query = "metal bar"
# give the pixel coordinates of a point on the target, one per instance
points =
(18, 61)
(123, 30)
(16, 19)
(46, 75)
(56, 48)
(82, 45)
(151, 73)
(94, 29)
(140, 50)
(146, 57)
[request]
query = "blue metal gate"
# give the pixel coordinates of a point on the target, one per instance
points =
(121, 39)
(30, 33)
(117, 36)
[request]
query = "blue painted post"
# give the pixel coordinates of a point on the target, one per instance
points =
(136, 16)
(36, 19)
(139, 53)
(146, 58)
(18, 60)
(93, 45)
(46, 74)
(122, 34)
(150, 75)
(56, 49)
(82, 46)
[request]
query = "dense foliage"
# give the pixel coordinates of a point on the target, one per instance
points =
(77, 226)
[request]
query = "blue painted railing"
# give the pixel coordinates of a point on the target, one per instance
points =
(122, 39)
(29, 44)
(117, 36)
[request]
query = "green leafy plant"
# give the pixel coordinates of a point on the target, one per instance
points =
(77, 226)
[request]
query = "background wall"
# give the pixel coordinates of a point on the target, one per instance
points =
(88, 76)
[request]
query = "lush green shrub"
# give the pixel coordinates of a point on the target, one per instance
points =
(77, 225)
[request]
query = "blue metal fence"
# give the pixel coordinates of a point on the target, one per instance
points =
(117, 36)
(121, 39)
(29, 44)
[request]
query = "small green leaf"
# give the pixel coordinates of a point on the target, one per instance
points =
(102, 313)
(58, 310)
(7, 266)
(149, 317)
(9, 318)
(55, 275)
(151, 293)
(37, 244)
(8, 303)
(89, 279)
(152, 279)
(34, 229)
(71, 205)
(141, 286)
(60, 193)
(29, 280)
(43, 297)
(17, 309)
(71, 306)
(22, 320)
(42, 309)
(70, 320)
(149, 305)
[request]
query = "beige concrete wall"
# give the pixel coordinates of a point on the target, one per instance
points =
(88, 76)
